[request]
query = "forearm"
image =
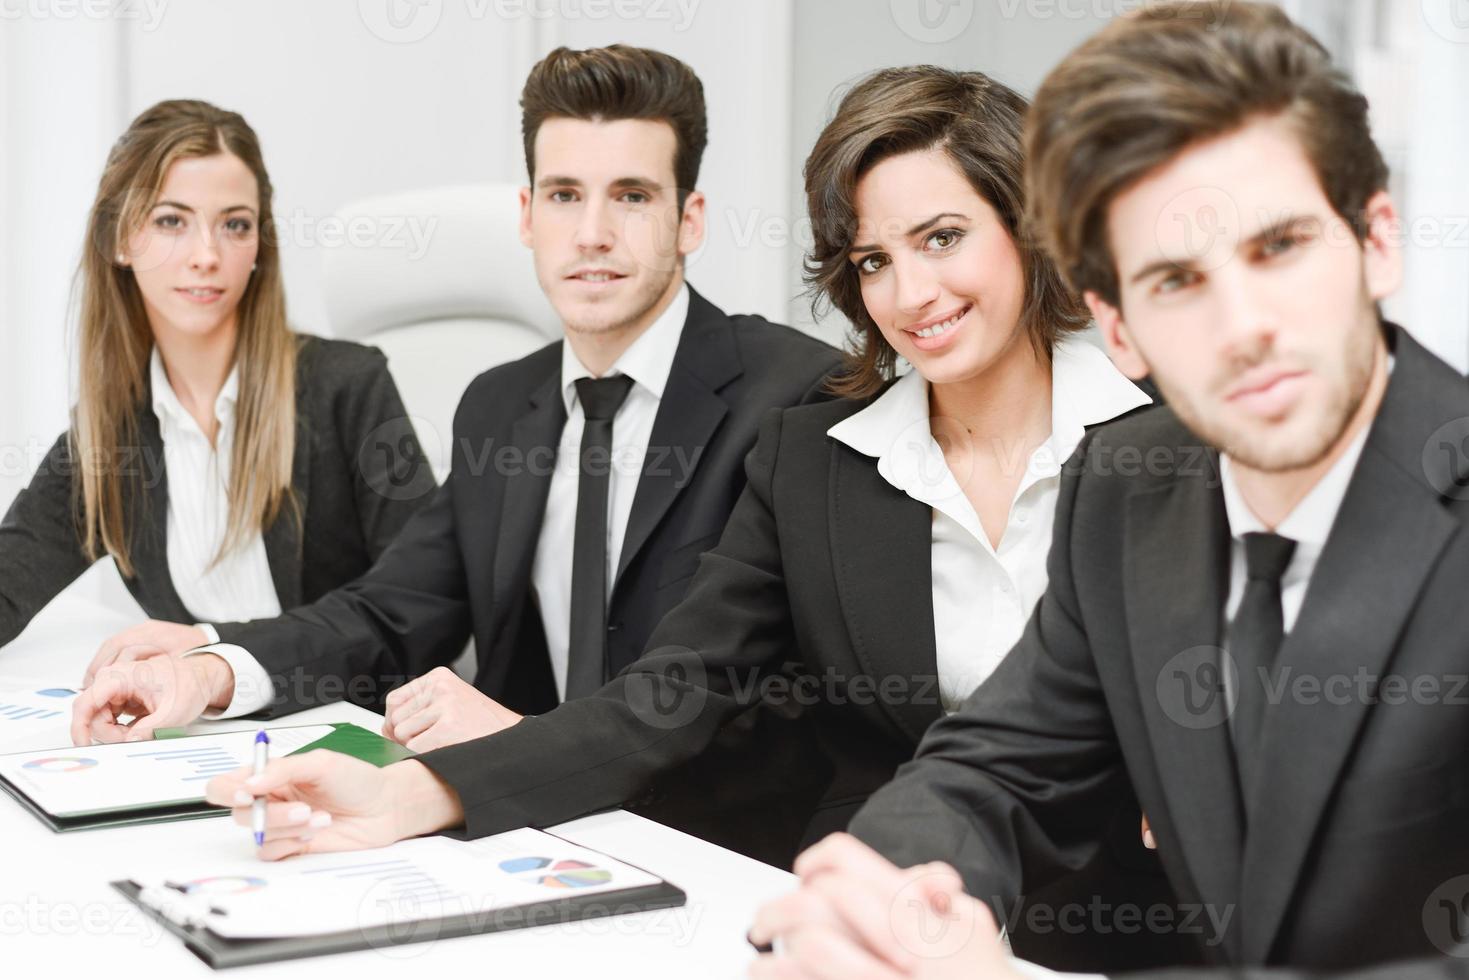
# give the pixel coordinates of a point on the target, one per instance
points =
(423, 803)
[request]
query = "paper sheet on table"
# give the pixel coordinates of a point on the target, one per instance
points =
(126, 775)
(420, 880)
(27, 712)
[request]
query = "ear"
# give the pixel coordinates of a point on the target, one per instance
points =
(526, 238)
(1382, 253)
(1115, 336)
(691, 226)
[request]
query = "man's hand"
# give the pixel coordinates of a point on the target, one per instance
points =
(325, 801)
(153, 638)
(857, 915)
(440, 709)
(159, 692)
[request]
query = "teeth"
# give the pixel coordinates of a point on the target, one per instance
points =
(202, 293)
(596, 277)
(939, 328)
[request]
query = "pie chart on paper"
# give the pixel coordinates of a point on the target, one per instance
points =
(552, 873)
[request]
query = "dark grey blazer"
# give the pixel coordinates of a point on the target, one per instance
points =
(359, 474)
(1349, 849)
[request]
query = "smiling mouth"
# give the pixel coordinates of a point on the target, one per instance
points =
(596, 276)
(941, 327)
(201, 292)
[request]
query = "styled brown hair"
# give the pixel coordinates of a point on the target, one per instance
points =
(613, 83)
(116, 340)
(978, 123)
(1149, 85)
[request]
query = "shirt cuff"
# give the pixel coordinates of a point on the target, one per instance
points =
(1027, 969)
(253, 689)
(211, 634)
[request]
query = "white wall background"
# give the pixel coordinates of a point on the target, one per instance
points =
(354, 98)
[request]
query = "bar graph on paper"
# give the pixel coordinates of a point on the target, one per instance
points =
(193, 765)
(33, 717)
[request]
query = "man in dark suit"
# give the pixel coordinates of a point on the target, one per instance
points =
(1256, 612)
(558, 571)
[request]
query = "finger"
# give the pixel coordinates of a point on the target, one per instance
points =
(109, 693)
(843, 852)
(407, 692)
(434, 738)
(106, 730)
(414, 724)
(275, 850)
(802, 908)
(826, 954)
(104, 656)
(869, 914)
(290, 814)
(317, 820)
(770, 967)
(288, 775)
(222, 790)
(137, 651)
(937, 883)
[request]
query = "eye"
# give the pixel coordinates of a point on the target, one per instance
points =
(636, 197)
(1279, 246)
(943, 239)
(563, 196)
(239, 226)
(168, 222)
(870, 264)
(1175, 281)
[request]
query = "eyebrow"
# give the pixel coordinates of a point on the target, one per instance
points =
(1270, 232)
(917, 229)
(560, 181)
(185, 207)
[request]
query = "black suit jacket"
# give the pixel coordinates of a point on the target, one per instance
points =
(464, 563)
(358, 476)
(1359, 815)
(817, 600)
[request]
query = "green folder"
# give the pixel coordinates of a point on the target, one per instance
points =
(345, 737)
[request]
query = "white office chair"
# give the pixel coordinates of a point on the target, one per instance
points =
(470, 301)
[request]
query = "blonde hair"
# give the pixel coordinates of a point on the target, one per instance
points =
(115, 339)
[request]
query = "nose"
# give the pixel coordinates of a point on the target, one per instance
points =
(204, 250)
(594, 230)
(1245, 322)
(917, 285)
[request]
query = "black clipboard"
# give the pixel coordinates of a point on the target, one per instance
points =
(221, 953)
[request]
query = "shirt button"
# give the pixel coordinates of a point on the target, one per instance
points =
(1021, 517)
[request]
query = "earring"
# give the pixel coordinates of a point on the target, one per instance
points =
(121, 259)
(254, 266)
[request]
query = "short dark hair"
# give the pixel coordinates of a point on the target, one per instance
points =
(978, 123)
(613, 83)
(1150, 85)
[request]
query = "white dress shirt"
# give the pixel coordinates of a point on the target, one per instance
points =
(983, 595)
(239, 586)
(648, 362)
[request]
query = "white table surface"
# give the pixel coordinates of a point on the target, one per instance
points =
(58, 916)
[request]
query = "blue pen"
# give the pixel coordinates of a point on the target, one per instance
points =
(257, 809)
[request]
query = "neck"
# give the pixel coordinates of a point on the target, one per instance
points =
(1009, 401)
(600, 350)
(1273, 495)
(197, 367)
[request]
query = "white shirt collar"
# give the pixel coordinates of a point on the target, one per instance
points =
(648, 361)
(1086, 389)
(169, 409)
(1309, 522)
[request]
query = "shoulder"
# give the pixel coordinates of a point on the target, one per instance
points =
(515, 380)
(1147, 448)
(330, 365)
(759, 336)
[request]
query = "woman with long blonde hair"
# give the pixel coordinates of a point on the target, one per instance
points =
(230, 467)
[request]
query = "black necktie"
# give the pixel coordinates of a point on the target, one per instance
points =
(1254, 641)
(586, 654)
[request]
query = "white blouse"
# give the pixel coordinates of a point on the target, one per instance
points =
(982, 595)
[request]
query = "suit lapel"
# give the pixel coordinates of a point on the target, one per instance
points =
(882, 557)
(150, 545)
(689, 414)
(283, 538)
(525, 492)
(1383, 544)
(1175, 569)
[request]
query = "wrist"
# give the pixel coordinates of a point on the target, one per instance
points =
(422, 803)
(215, 677)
